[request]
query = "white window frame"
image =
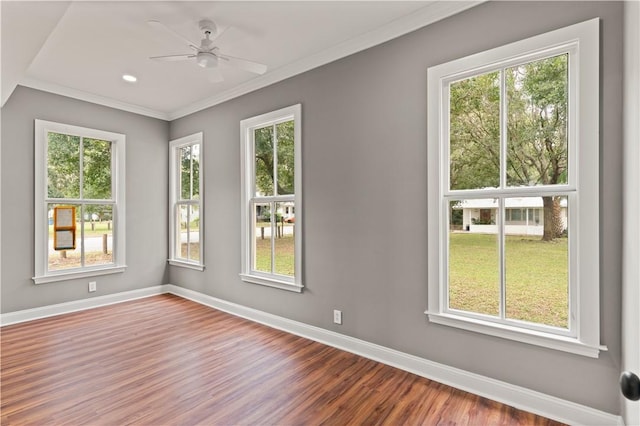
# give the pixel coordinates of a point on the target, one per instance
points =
(581, 42)
(247, 127)
(174, 200)
(42, 274)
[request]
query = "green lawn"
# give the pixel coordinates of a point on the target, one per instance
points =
(195, 251)
(536, 277)
(536, 272)
(71, 259)
(284, 255)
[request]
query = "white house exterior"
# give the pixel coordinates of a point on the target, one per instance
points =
(523, 216)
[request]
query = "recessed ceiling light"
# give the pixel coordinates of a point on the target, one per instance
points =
(129, 78)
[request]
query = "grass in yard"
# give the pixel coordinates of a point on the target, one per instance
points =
(536, 277)
(284, 255)
(72, 259)
(195, 251)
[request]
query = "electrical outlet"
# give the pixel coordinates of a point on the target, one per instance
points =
(92, 286)
(337, 316)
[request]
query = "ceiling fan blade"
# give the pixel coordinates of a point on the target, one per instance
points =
(183, 57)
(214, 75)
(244, 64)
(158, 24)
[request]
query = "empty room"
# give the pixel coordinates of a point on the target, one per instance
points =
(320, 212)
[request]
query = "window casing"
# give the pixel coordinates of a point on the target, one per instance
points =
(82, 168)
(186, 202)
(577, 188)
(272, 199)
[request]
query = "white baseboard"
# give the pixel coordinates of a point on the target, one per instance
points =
(78, 305)
(515, 396)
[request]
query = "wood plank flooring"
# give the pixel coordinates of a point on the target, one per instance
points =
(165, 360)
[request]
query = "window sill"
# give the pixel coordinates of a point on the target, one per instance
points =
(272, 282)
(85, 273)
(182, 264)
(546, 340)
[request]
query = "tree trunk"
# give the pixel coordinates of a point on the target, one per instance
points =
(553, 225)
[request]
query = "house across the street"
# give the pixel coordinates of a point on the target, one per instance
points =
(523, 216)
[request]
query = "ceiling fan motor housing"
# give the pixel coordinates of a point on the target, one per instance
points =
(207, 26)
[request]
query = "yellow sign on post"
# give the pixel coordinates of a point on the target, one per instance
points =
(64, 228)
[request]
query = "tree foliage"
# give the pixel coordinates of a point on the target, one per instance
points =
(267, 141)
(190, 172)
(536, 131)
(73, 161)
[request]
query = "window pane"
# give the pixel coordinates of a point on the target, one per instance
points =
(284, 241)
(182, 237)
(474, 272)
(285, 158)
(97, 169)
(262, 238)
(185, 173)
(63, 259)
(195, 171)
(98, 234)
(263, 139)
(474, 138)
(537, 264)
(63, 166)
(537, 106)
(194, 234)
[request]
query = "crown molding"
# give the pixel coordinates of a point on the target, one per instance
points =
(427, 15)
(90, 97)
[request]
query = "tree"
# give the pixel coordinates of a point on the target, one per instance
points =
(63, 166)
(536, 131)
(64, 161)
(475, 132)
(190, 172)
(282, 135)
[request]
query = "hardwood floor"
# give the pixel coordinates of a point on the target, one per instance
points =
(165, 360)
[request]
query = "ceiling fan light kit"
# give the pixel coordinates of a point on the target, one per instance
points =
(207, 59)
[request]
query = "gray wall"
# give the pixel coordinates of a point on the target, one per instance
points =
(364, 183)
(146, 192)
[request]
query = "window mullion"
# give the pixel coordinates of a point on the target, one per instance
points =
(82, 260)
(502, 200)
(191, 172)
(274, 224)
(275, 160)
(81, 171)
(501, 256)
(188, 255)
(82, 205)
(503, 129)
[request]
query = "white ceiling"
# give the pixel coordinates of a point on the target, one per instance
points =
(82, 48)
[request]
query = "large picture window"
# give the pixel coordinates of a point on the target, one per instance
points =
(78, 170)
(186, 242)
(513, 191)
(271, 199)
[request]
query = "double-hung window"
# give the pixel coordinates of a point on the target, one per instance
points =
(79, 202)
(186, 242)
(272, 199)
(513, 191)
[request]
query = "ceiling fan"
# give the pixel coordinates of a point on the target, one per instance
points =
(207, 55)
